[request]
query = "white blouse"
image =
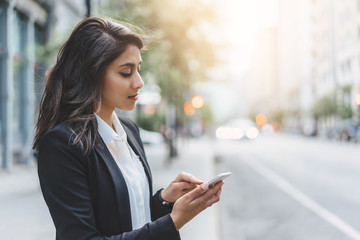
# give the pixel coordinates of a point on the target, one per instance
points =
(130, 167)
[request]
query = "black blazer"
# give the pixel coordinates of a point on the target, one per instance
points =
(87, 195)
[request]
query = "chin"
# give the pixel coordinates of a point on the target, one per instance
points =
(126, 108)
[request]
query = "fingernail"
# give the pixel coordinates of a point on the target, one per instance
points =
(204, 186)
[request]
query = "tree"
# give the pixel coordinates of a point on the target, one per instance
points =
(183, 51)
(344, 109)
(324, 107)
(277, 116)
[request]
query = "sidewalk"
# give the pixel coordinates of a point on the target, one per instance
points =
(24, 214)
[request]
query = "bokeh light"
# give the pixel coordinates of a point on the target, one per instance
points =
(197, 102)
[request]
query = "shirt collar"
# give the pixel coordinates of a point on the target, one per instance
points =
(118, 127)
(105, 131)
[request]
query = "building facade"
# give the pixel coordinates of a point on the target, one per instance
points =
(316, 53)
(263, 74)
(336, 55)
(24, 26)
(295, 62)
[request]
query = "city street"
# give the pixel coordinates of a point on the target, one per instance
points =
(289, 187)
(24, 214)
(284, 75)
(283, 187)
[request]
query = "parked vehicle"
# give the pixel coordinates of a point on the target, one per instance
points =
(236, 129)
(150, 137)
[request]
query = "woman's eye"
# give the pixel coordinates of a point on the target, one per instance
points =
(126, 75)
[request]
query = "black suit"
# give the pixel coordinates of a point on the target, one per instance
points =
(87, 195)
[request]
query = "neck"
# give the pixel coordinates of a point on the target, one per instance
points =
(106, 115)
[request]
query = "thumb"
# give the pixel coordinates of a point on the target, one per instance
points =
(197, 191)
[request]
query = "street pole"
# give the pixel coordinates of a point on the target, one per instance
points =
(7, 93)
(170, 131)
(334, 54)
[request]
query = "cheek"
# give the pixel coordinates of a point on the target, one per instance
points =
(110, 84)
(113, 88)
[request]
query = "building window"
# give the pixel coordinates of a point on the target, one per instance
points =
(349, 65)
(39, 67)
(20, 65)
(3, 51)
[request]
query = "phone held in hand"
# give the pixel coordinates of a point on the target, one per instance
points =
(218, 178)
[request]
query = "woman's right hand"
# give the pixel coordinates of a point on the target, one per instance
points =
(194, 202)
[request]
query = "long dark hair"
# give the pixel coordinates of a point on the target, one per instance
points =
(74, 84)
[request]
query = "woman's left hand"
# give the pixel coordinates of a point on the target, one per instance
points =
(182, 184)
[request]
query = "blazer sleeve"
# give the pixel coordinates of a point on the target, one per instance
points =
(63, 175)
(158, 209)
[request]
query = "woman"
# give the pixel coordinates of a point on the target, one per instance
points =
(92, 167)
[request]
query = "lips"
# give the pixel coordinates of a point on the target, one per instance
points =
(134, 97)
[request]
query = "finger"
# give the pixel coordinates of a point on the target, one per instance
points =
(216, 190)
(185, 185)
(206, 196)
(179, 177)
(182, 186)
(218, 185)
(187, 177)
(186, 190)
(218, 194)
(199, 190)
(214, 199)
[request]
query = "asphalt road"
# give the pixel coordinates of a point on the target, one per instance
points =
(289, 187)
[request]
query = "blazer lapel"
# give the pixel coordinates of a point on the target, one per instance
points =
(121, 191)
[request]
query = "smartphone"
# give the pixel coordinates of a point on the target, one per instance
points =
(218, 178)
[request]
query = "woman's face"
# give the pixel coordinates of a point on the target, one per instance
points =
(122, 81)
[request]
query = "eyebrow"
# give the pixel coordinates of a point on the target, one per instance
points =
(128, 65)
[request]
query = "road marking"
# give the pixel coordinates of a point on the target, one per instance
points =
(303, 199)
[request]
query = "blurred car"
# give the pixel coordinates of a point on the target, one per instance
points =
(236, 129)
(350, 131)
(150, 137)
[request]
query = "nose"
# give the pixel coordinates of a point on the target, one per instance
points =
(138, 82)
